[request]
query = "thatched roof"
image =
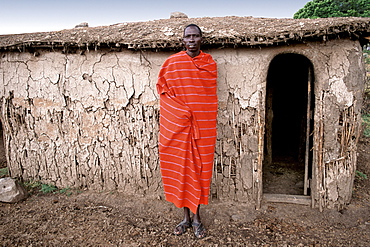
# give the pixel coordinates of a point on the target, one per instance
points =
(218, 32)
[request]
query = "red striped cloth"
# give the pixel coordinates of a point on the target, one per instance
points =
(188, 114)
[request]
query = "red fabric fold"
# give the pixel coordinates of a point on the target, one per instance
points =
(188, 116)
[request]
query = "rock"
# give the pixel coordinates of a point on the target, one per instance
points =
(11, 191)
(235, 217)
(178, 15)
(82, 24)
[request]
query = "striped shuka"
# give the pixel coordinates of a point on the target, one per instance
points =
(188, 116)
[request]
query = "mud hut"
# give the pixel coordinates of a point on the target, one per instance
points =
(79, 107)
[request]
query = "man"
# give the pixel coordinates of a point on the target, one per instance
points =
(187, 85)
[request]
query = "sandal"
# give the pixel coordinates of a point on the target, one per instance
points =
(199, 230)
(181, 227)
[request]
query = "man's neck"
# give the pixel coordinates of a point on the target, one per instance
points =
(193, 54)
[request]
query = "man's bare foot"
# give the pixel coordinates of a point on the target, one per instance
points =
(181, 227)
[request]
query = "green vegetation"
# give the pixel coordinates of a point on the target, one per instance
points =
(37, 186)
(366, 123)
(361, 175)
(367, 56)
(67, 191)
(47, 188)
(4, 172)
(32, 186)
(334, 8)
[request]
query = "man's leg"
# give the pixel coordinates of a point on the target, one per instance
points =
(196, 217)
(187, 214)
(198, 227)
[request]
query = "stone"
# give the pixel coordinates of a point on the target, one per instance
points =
(236, 217)
(82, 24)
(178, 15)
(11, 191)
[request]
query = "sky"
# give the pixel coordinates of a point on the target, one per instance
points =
(28, 16)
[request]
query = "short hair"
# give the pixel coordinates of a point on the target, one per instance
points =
(196, 26)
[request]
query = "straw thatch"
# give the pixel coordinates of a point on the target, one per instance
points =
(218, 32)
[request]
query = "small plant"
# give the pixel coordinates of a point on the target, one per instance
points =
(367, 55)
(37, 186)
(47, 188)
(66, 191)
(31, 185)
(361, 175)
(366, 122)
(4, 172)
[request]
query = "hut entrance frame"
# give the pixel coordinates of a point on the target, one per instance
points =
(287, 165)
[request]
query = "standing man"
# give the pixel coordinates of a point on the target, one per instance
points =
(187, 85)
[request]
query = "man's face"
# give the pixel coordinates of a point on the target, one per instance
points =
(192, 39)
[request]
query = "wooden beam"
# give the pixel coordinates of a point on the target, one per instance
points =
(296, 199)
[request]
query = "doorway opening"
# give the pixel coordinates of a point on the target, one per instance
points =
(287, 165)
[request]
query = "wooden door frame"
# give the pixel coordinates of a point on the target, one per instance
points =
(304, 199)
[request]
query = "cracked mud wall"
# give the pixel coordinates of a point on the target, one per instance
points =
(91, 120)
(238, 154)
(339, 85)
(87, 121)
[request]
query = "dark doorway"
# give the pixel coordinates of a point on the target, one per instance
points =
(288, 142)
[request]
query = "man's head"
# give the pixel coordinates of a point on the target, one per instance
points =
(196, 26)
(192, 39)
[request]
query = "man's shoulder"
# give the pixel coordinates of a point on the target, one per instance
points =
(180, 56)
(177, 55)
(206, 57)
(206, 54)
